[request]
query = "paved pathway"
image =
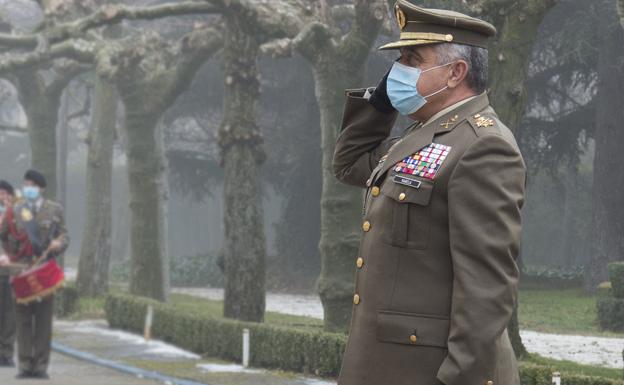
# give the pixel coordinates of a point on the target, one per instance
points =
(68, 371)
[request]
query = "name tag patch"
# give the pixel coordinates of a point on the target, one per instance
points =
(425, 163)
(407, 181)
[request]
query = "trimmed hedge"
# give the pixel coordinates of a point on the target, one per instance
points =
(66, 301)
(616, 276)
(273, 347)
(604, 289)
(611, 313)
(540, 278)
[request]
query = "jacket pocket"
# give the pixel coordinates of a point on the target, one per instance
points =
(408, 212)
(412, 329)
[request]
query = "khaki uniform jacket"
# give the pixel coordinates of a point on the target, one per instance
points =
(49, 216)
(436, 276)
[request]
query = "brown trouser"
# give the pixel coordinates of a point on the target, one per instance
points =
(34, 334)
(7, 319)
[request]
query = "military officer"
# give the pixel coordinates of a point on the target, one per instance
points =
(436, 274)
(34, 320)
(7, 314)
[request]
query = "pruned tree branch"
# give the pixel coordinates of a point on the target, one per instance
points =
(107, 15)
(312, 39)
(78, 49)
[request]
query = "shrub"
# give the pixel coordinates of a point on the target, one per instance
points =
(616, 276)
(611, 313)
(277, 347)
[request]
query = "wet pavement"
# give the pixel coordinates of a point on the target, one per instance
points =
(115, 346)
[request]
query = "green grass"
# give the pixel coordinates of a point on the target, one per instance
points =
(560, 311)
(194, 305)
(572, 367)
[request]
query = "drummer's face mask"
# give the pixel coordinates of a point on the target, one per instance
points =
(31, 193)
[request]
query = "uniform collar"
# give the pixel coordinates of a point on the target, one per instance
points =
(450, 108)
(422, 135)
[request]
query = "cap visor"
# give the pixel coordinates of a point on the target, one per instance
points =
(407, 43)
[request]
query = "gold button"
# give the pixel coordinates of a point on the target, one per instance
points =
(490, 383)
(356, 299)
(413, 338)
(359, 263)
(366, 226)
(375, 191)
(402, 196)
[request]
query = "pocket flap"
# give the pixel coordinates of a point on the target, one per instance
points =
(407, 189)
(399, 328)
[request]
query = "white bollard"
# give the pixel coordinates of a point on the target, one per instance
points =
(556, 378)
(246, 348)
(149, 316)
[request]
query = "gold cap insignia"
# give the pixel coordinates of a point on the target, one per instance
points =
(27, 215)
(401, 19)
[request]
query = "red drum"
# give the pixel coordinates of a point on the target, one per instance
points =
(37, 283)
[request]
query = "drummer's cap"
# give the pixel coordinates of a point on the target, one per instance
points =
(6, 186)
(36, 177)
(421, 26)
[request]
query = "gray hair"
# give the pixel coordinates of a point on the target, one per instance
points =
(476, 57)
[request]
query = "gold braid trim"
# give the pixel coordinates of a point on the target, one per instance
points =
(41, 294)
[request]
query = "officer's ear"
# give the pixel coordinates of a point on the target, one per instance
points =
(459, 71)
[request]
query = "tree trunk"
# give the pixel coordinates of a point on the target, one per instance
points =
(337, 67)
(244, 245)
(41, 109)
(511, 53)
(95, 249)
(149, 264)
(61, 139)
(341, 205)
(608, 183)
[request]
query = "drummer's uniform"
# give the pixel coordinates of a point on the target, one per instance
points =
(34, 320)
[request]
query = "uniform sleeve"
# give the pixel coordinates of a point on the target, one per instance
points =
(485, 196)
(63, 234)
(363, 139)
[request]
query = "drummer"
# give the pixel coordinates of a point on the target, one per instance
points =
(31, 227)
(7, 315)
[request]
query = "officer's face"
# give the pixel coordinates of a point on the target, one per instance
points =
(425, 57)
